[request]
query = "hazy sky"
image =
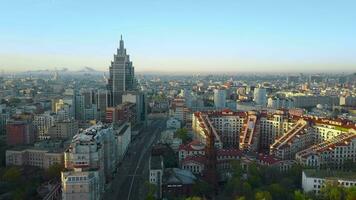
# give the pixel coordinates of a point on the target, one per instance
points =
(180, 35)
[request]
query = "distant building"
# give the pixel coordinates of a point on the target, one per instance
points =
(347, 101)
(30, 156)
(177, 182)
(308, 101)
(219, 98)
(156, 173)
(121, 76)
(42, 124)
(260, 96)
(173, 123)
(331, 153)
(19, 132)
(63, 129)
(177, 110)
(314, 180)
(102, 103)
(122, 112)
(123, 137)
(299, 137)
(140, 100)
(277, 103)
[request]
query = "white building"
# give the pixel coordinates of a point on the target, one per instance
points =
(315, 180)
(194, 148)
(41, 124)
(173, 123)
(276, 103)
(334, 152)
(90, 160)
(78, 184)
(156, 173)
(123, 135)
(219, 98)
(177, 110)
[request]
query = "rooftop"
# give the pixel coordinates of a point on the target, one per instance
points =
(156, 162)
(330, 174)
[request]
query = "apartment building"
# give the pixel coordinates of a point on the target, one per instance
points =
(63, 129)
(314, 180)
(299, 137)
(89, 161)
(330, 153)
(30, 156)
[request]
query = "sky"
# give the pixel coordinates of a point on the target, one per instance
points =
(180, 35)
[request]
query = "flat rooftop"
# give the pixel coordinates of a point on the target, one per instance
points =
(330, 174)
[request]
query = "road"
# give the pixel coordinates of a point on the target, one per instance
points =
(128, 183)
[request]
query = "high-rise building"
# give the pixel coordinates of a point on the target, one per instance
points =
(138, 98)
(41, 124)
(219, 98)
(19, 132)
(260, 96)
(102, 103)
(121, 75)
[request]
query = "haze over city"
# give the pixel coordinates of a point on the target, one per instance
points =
(177, 100)
(180, 36)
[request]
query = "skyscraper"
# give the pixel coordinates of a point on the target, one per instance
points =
(121, 75)
(260, 96)
(219, 98)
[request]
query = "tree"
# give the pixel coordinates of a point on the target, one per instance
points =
(12, 175)
(151, 191)
(193, 198)
(54, 171)
(263, 195)
(298, 195)
(332, 192)
(277, 191)
(201, 188)
(182, 133)
(170, 158)
(247, 190)
(351, 193)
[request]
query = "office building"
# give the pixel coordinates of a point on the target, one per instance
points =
(219, 98)
(260, 96)
(19, 132)
(121, 75)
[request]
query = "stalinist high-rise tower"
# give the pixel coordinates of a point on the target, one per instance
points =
(122, 77)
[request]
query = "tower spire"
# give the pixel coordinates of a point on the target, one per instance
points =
(121, 43)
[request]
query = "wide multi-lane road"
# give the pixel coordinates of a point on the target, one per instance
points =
(128, 183)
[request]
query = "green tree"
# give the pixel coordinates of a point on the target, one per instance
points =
(193, 198)
(54, 171)
(182, 133)
(151, 191)
(278, 192)
(332, 192)
(202, 188)
(12, 174)
(298, 195)
(351, 193)
(263, 195)
(170, 158)
(247, 190)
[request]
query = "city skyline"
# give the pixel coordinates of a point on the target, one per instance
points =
(232, 36)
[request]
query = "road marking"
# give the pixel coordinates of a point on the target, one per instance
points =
(138, 163)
